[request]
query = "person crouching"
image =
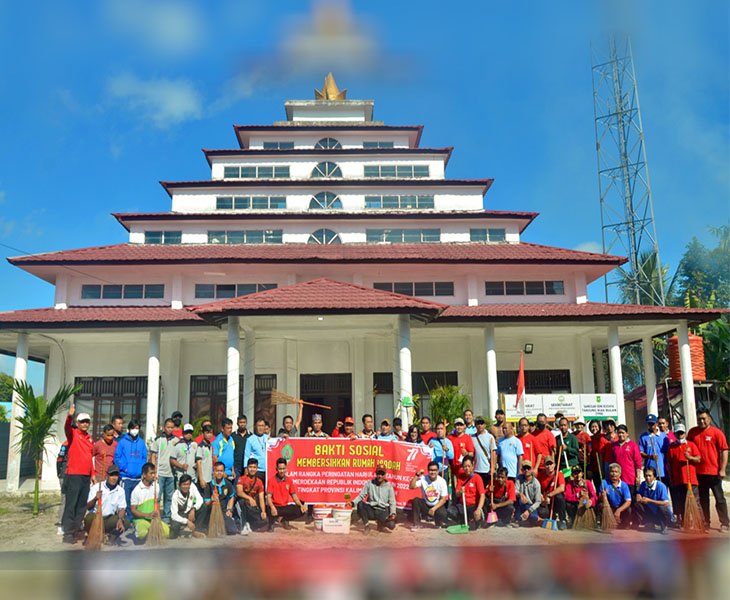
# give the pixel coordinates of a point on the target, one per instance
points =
(187, 507)
(380, 503)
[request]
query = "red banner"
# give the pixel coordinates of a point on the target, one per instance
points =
(326, 469)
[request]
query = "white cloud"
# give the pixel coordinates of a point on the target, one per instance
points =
(165, 28)
(165, 102)
(590, 247)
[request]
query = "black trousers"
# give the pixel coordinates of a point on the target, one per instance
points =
(251, 515)
(679, 497)
(110, 523)
(202, 519)
(710, 483)
(290, 512)
(504, 513)
(456, 512)
(559, 508)
(380, 515)
(77, 493)
(661, 515)
(420, 511)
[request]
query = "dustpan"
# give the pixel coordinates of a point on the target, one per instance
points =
(460, 528)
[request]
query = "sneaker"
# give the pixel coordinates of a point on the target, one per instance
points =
(69, 539)
(562, 526)
(247, 527)
(125, 538)
(515, 525)
(59, 530)
(198, 534)
(244, 531)
(724, 528)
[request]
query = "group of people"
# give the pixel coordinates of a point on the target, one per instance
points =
(479, 474)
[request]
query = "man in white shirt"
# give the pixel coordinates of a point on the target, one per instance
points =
(113, 504)
(144, 505)
(187, 506)
(434, 496)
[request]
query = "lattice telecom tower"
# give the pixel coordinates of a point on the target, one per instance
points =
(627, 213)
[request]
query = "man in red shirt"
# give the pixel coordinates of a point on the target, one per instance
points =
(524, 435)
(177, 418)
(78, 473)
(610, 435)
(712, 445)
(544, 443)
(345, 430)
(280, 494)
(463, 445)
(682, 458)
(552, 486)
(103, 453)
(251, 501)
(584, 441)
(502, 497)
(471, 486)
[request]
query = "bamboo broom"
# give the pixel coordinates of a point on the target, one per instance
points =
(216, 525)
(278, 397)
(608, 519)
(693, 521)
(155, 536)
(585, 518)
(95, 538)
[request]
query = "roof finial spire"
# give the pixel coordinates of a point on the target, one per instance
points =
(329, 90)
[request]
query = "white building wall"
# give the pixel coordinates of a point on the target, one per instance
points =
(305, 140)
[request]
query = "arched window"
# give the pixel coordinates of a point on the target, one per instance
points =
(324, 236)
(325, 200)
(327, 169)
(328, 144)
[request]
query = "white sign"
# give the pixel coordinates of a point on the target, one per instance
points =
(568, 404)
(599, 406)
(530, 407)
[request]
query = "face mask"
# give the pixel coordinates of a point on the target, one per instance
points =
(541, 425)
(134, 432)
(682, 441)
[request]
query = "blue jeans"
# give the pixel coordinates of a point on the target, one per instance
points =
(520, 508)
(129, 484)
(167, 488)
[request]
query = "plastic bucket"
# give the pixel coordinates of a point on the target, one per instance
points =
(318, 524)
(343, 515)
(321, 512)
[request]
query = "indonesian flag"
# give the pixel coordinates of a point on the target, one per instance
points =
(521, 381)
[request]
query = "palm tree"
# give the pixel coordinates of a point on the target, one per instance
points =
(36, 424)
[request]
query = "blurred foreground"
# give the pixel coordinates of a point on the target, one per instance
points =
(668, 568)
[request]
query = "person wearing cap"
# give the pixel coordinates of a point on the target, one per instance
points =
(712, 444)
(113, 504)
(385, 434)
(316, 429)
(510, 451)
(552, 488)
(485, 451)
(616, 492)
(567, 444)
(443, 450)
(103, 453)
(188, 507)
(528, 497)
(663, 424)
(434, 496)
(579, 494)
(204, 458)
(283, 502)
(160, 456)
(251, 499)
(653, 445)
(130, 455)
(463, 445)
(610, 435)
(626, 453)
(177, 419)
(584, 441)
(256, 448)
(79, 470)
(183, 455)
(501, 497)
(652, 502)
(497, 428)
(376, 501)
(682, 459)
(345, 430)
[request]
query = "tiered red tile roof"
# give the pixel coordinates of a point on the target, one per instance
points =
(521, 253)
(90, 316)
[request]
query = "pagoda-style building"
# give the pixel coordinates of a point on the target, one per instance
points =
(328, 256)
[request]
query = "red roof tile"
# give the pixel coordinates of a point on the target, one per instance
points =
(321, 295)
(90, 316)
(588, 311)
(315, 253)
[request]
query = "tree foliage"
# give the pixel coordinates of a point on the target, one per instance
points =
(703, 274)
(6, 387)
(447, 402)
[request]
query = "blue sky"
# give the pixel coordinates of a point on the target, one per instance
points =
(102, 99)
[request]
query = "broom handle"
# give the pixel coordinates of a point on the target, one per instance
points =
(463, 498)
(689, 482)
(314, 404)
(555, 485)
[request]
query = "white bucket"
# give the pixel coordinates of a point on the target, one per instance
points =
(318, 524)
(321, 512)
(343, 515)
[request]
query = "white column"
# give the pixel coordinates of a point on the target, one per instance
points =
(61, 293)
(176, 294)
(472, 290)
(404, 365)
(249, 373)
(614, 365)
(20, 373)
(362, 399)
(647, 354)
(583, 348)
(688, 385)
(153, 385)
(600, 372)
(492, 388)
(233, 370)
(478, 367)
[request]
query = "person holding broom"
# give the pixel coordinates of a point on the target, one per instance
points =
(471, 485)
(143, 503)
(113, 505)
(579, 494)
(552, 486)
(220, 490)
(683, 458)
(617, 494)
(653, 445)
(652, 502)
(502, 497)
